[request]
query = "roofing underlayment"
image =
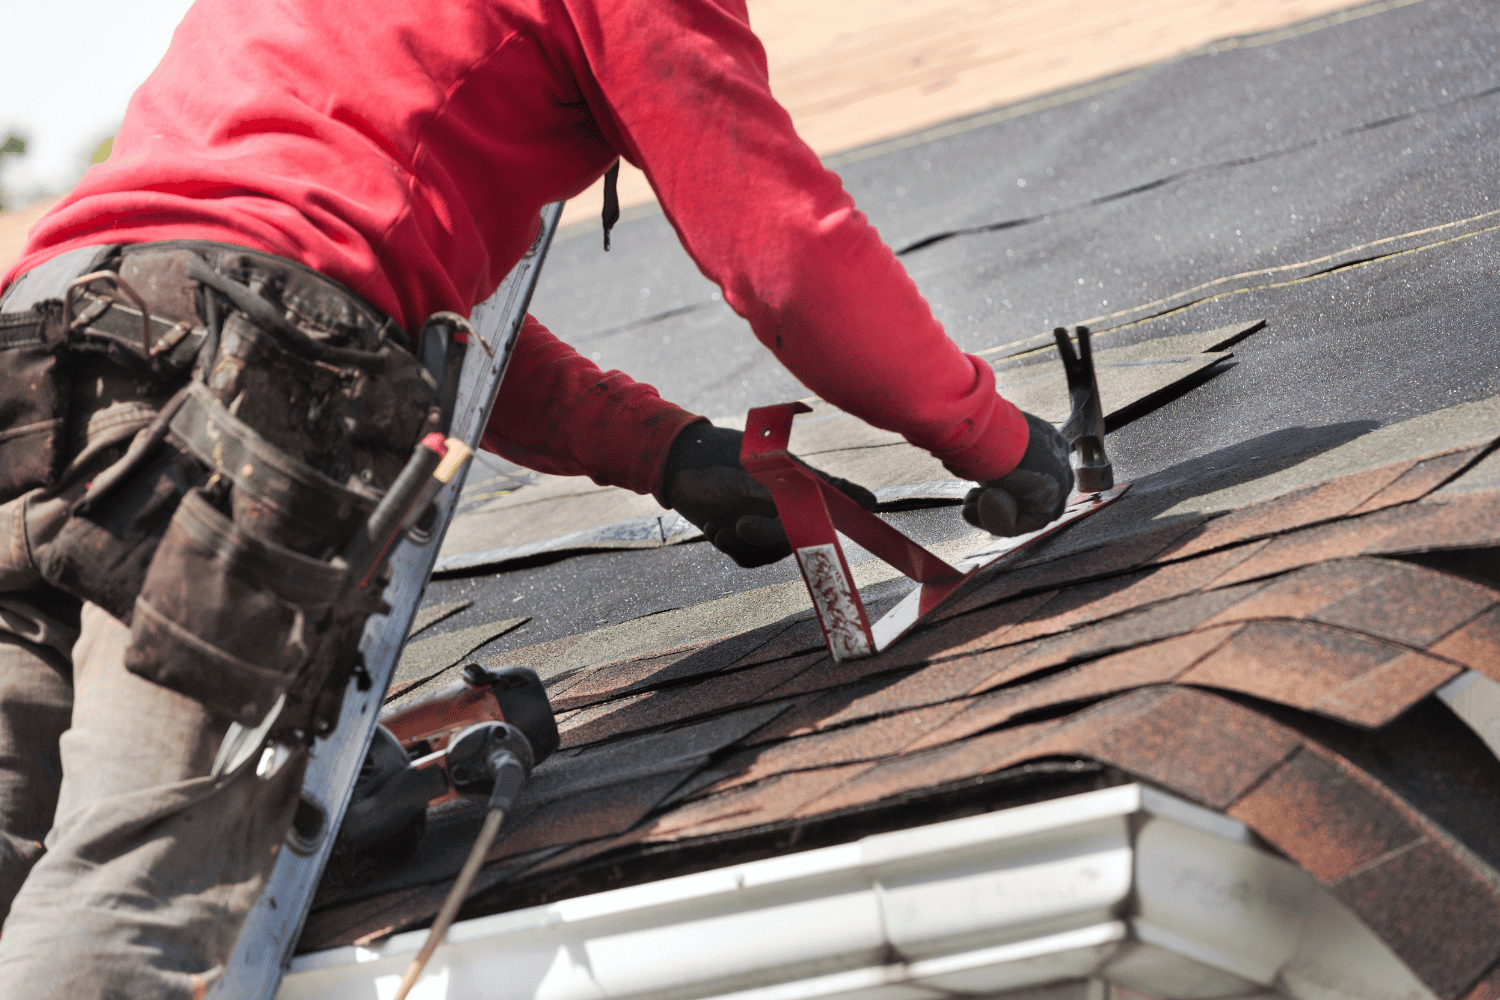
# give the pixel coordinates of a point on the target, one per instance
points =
(1286, 246)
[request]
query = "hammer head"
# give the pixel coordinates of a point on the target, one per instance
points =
(1085, 427)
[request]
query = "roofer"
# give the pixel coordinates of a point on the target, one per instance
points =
(295, 190)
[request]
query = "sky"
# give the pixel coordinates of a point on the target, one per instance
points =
(68, 71)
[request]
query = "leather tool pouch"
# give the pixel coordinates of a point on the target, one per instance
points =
(33, 410)
(216, 539)
(227, 619)
(103, 549)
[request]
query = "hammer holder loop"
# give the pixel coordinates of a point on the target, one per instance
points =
(120, 283)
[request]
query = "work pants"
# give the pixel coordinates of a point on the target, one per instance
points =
(151, 865)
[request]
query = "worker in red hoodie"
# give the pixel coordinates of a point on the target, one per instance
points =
(247, 285)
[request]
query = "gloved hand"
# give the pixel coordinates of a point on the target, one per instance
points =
(705, 483)
(1032, 494)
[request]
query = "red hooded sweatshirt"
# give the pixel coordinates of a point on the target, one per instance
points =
(405, 147)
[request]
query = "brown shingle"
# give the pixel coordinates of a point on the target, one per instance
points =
(1309, 505)
(1307, 666)
(756, 805)
(1339, 540)
(1488, 987)
(591, 723)
(1155, 663)
(867, 741)
(574, 855)
(918, 771)
(1316, 810)
(586, 815)
(1410, 605)
(1422, 478)
(1475, 645)
(371, 919)
(984, 629)
(1093, 602)
(1118, 556)
(653, 709)
(1380, 858)
(1305, 590)
(1460, 521)
(611, 680)
(1173, 618)
(1436, 914)
(930, 685)
(1197, 744)
(1378, 696)
(797, 638)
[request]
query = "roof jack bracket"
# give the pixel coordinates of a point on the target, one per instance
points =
(813, 512)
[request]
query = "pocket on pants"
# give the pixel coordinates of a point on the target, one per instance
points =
(227, 619)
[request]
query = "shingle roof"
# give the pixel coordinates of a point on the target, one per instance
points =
(1233, 659)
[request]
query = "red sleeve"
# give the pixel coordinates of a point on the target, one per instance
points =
(558, 413)
(683, 93)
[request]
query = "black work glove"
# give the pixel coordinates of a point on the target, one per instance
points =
(705, 483)
(1031, 495)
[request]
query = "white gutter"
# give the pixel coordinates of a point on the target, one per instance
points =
(1125, 885)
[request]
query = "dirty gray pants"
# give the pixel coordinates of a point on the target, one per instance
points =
(150, 865)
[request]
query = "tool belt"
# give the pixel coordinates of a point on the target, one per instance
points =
(191, 434)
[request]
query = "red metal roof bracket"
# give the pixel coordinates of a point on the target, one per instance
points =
(811, 510)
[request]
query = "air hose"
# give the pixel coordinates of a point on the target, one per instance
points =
(494, 754)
